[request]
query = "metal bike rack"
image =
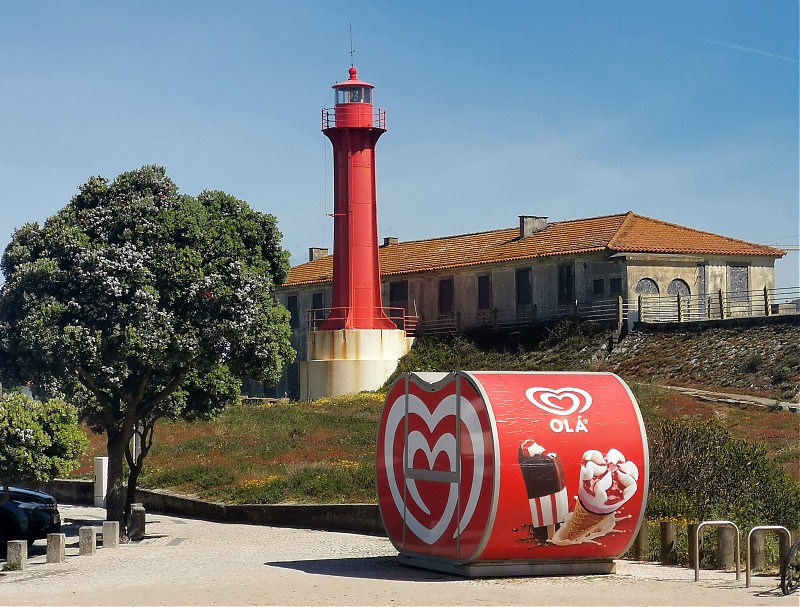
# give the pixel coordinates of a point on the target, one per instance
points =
(697, 545)
(778, 528)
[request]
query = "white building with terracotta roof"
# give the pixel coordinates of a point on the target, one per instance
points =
(542, 270)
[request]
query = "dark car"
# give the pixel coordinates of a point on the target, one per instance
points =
(27, 515)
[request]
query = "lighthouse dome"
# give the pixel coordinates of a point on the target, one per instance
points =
(353, 90)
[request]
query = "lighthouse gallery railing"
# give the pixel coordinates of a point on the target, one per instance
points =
(329, 118)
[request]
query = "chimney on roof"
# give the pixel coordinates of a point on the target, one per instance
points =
(530, 224)
(315, 253)
(389, 240)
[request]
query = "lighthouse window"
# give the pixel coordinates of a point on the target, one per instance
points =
(354, 94)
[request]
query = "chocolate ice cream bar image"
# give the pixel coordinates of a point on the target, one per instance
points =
(544, 482)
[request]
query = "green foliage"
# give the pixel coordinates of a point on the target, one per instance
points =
(278, 452)
(698, 472)
(565, 345)
(202, 477)
(139, 302)
(38, 440)
(752, 363)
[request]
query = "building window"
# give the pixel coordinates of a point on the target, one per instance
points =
(598, 287)
(524, 291)
(739, 285)
(398, 294)
(647, 286)
(484, 292)
(291, 305)
(318, 305)
(678, 286)
(615, 286)
(566, 284)
(446, 296)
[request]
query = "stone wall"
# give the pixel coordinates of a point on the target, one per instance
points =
(351, 518)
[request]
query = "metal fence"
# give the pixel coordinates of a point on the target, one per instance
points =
(608, 311)
(401, 319)
(646, 308)
(616, 312)
(329, 118)
(719, 305)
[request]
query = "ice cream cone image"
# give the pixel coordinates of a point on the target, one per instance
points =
(581, 523)
(607, 482)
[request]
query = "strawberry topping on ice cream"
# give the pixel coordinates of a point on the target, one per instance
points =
(607, 481)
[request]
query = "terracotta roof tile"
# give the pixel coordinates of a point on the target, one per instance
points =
(621, 233)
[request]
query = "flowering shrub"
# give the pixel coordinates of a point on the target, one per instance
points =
(140, 302)
(37, 440)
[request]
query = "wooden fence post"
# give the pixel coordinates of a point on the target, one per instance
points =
(680, 311)
(641, 309)
(669, 552)
(726, 539)
(694, 557)
(640, 544)
(766, 301)
(721, 308)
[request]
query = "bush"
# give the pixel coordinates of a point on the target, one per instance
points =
(699, 472)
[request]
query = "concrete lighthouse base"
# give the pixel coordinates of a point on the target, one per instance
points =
(347, 361)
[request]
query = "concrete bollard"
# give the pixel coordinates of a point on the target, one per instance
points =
(110, 534)
(87, 541)
(17, 554)
(56, 544)
(726, 542)
(136, 523)
(757, 555)
(640, 544)
(669, 553)
(100, 481)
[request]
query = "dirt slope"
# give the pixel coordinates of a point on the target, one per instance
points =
(759, 360)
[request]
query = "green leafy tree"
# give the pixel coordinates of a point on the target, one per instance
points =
(140, 302)
(38, 440)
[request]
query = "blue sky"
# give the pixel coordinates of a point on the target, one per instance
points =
(686, 111)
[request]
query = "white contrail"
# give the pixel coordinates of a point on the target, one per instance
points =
(747, 49)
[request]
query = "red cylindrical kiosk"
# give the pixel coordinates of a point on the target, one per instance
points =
(492, 473)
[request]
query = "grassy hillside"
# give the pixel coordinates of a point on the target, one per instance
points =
(324, 451)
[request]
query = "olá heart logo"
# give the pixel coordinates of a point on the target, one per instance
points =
(561, 401)
(426, 490)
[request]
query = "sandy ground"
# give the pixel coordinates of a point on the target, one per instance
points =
(193, 562)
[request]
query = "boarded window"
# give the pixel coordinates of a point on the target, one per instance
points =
(615, 286)
(701, 278)
(739, 283)
(484, 292)
(598, 287)
(446, 296)
(524, 291)
(678, 286)
(647, 286)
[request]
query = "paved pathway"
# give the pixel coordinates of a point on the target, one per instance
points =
(192, 562)
(737, 399)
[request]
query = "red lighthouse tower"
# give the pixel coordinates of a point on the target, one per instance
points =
(357, 347)
(353, 128)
